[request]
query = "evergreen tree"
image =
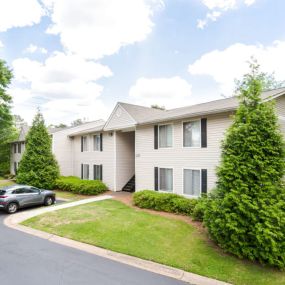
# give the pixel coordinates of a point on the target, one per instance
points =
(38, 166)
(7, 130)
(246, 214)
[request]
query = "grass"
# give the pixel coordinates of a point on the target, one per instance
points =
(113, 225)
(69, 196)
(5, 183)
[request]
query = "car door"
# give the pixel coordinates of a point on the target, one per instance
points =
(21, 196)
(33, 196)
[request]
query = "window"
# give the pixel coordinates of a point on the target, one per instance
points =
(96, 143)
(19, 147)
(97, 172)
(192, 182)
(192, 134)
(165, 136)
(84, 143)
(166, 179)
(15, 148)
(85, 171)
(19, 191)
(34, 190)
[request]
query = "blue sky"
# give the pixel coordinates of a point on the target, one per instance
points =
(76, 59)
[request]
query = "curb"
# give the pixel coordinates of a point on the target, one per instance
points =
(13, 222)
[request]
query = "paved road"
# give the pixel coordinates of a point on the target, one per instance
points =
(28, 260)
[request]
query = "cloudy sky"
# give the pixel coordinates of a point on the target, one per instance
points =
(76, 59)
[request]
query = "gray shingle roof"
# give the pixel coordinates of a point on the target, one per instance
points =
(145, 115)
(141, 113)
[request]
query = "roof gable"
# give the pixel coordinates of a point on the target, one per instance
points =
(119, 118)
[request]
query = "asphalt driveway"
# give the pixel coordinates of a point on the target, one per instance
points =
(28, 260)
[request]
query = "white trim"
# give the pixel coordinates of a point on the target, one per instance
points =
(165, 147)
(115, 161)
(72, 155)
(135, 154)
(105, 127)
(191, 168)
(189, 121)
(158, 179)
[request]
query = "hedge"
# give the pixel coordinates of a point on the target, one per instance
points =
(78, 186)
(166, 202)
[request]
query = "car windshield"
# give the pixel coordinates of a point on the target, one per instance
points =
(2, 192)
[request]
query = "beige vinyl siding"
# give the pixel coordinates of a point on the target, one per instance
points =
(178, 157)
(119, 119)
(62, 149)
(91, 157)
(125, 158)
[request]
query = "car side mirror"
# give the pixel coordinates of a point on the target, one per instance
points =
(40, 191)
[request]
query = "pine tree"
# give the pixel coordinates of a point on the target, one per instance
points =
(38, 166)
(246, 214)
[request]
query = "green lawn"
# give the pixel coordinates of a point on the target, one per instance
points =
(5, 183)
(70, 196)
(111, 224)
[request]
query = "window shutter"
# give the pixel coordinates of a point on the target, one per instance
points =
(81, 171)
(101, 172)
(81, 144)
(155, 137)
(204, 181)
(88, 172)
(204, 132)
(101, 142)
(156, 178)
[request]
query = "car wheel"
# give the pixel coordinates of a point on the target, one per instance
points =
(49, 201)
(12, 208)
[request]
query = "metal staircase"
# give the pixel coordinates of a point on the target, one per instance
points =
(131, 185)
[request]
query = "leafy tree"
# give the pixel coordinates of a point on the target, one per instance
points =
(7, 130)
(78, 122)
(156, 106)
(246, 214)
(59, 126)
(19, 121)
(38, 166)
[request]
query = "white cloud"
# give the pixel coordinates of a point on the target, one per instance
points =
(249, 2)
(1, 45)
(212, 16)
(169, 92)
(33, 49)
(220, 4)
(231, 63)
(96, 28)
(63, 82)
(219, 7)
(19, 13)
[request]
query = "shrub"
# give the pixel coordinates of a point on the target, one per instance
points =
(166, 202)
(78, 186)
(247, 215)
(200, 209)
